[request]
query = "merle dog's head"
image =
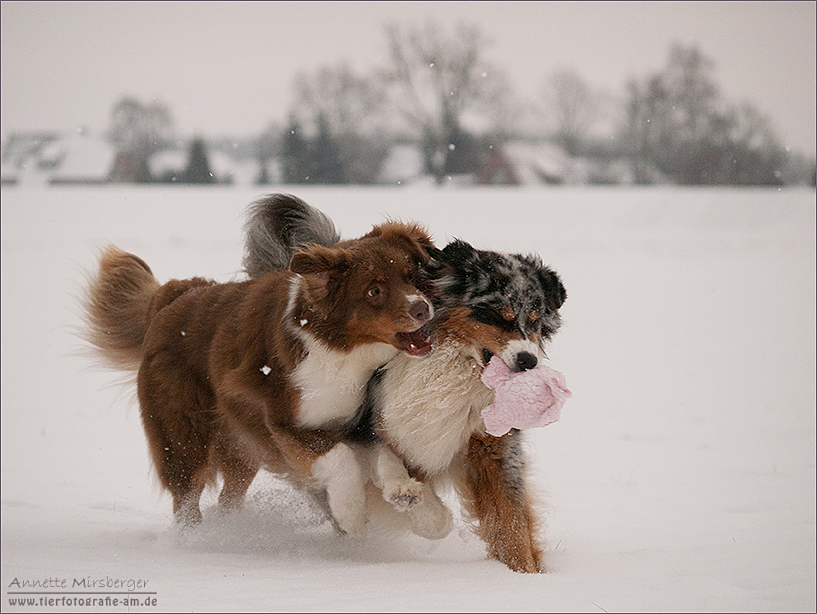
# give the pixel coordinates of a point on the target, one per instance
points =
(511, 300)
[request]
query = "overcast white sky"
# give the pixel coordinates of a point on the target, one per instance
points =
(226, 68)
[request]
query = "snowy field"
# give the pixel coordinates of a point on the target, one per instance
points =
(681, 476)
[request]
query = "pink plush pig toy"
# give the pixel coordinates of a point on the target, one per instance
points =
(524, 400)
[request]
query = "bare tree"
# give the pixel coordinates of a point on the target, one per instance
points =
(438, 80)
(677, 124)
(267, 146)
(138, 130)
(344, 114)
(689, 78)
(757, 157)
(648, 130)
(574, 107)
(140, 127)
(350, 103)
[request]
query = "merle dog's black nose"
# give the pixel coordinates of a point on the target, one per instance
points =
(526, 360)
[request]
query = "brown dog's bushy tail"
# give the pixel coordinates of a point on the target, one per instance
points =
(117, 306)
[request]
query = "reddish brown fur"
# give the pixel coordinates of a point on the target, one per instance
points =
(501, 505)
(200, 348)
(131, 281)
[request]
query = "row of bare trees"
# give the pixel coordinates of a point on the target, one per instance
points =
(432, 85)
(438, 90)
(676, 123)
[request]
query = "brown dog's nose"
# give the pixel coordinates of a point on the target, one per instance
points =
(420, 311)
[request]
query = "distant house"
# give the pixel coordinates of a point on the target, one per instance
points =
(168, 166)
(81, 159)
(20, 156)
(227, 169)
(403, 165)
(268, 171)
(522, 163)
(75, 158)
(498, 169)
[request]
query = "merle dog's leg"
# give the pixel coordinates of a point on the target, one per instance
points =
(494, 494)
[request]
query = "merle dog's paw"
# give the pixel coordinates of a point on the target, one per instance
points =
(403, 495)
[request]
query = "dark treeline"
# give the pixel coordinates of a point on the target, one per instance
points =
(438, 92)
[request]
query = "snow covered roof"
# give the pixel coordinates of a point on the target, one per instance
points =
(66, 158)
(167, 160)
(537, 163)
(80, 158)
(404, 163)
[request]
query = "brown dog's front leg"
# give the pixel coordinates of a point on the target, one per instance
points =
(497, 499)
(301, 447)
(335, 468)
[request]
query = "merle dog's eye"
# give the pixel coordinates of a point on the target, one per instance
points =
(494, 317)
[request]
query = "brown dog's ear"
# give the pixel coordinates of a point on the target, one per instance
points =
(324, 262)
(415, 232)
(420, 234)
(414, 235)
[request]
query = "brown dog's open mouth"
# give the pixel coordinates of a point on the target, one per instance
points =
(414, 344)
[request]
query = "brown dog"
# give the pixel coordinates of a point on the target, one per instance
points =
(238, 376)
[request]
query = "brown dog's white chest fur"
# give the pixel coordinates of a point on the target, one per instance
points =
(332, 382)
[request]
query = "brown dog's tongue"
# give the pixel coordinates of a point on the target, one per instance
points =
(414, 344)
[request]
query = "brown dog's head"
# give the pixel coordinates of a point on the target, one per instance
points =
(365, 290)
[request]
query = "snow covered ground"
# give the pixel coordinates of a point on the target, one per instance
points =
(681, 476)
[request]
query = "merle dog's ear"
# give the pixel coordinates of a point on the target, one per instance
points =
(555, 293)
(436, 261)
(436, 276)
(458, 251)
(437, 258)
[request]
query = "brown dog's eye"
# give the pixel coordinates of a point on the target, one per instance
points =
(374, 292)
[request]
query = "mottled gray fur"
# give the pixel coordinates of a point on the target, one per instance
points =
(277, 226)
(488, 281)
